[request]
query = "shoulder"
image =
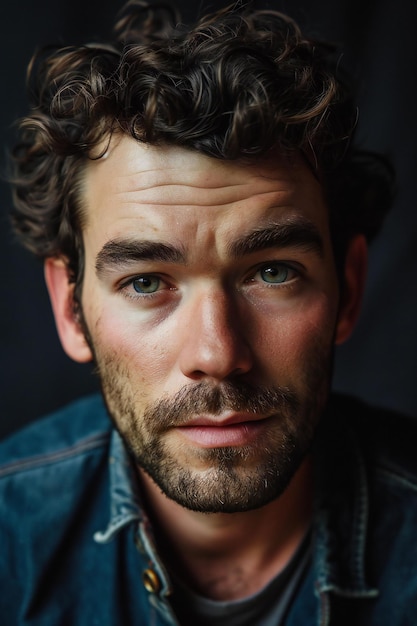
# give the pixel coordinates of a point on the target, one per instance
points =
(388, 439)
(380, 460)
(79, 428)
(54, 496)
(51, 469)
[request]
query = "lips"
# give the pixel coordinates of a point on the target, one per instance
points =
(232, 430)
(224, 419)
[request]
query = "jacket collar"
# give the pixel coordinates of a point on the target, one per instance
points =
(341, 509)
(125, 504)
(126, 509)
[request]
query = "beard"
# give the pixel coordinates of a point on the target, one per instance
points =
(223, 479)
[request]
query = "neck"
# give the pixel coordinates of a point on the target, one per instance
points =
(229, 556)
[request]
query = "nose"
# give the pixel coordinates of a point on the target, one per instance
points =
(214, 344)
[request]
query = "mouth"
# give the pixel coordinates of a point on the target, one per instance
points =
(216, 432)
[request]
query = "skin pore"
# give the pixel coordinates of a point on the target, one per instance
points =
(211, 302)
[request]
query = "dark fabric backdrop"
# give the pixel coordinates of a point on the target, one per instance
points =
(379, 363)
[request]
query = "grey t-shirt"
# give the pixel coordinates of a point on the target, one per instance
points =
(267, 607)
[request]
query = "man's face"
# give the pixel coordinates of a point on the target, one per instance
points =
(211, 300)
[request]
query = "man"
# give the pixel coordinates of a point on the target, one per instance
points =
(203, 217)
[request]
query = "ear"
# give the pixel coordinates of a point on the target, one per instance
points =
(352, 287)
(61, 294)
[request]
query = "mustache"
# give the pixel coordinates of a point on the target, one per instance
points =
(202, 397)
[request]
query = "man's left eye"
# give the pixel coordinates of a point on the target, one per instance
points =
(146, 284)
(276, 273)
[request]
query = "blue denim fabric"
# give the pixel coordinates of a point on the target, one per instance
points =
(77, 548)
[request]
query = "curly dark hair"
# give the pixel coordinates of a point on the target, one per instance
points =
(233, 86)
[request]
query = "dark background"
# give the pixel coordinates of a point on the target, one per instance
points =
(379, 40)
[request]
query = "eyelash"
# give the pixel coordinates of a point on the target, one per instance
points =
(282, 265)
(126, 287)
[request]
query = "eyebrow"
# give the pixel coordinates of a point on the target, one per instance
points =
(119, 253)
(300, 233)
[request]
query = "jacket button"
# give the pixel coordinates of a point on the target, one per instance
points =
(151, 581)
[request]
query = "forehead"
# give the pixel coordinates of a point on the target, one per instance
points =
(137, 189)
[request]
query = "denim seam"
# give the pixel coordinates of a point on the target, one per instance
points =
(360, 521)
(350, 593)
(114, 526)
(54, 457)
(395, 477)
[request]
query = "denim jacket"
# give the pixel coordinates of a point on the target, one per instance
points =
(77, 548)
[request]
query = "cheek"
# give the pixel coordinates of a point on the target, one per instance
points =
(144, 356)
(289, 337)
